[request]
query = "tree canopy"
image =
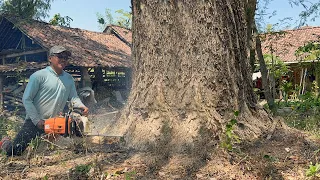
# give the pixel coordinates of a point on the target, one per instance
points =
(122, 19)
(36, 9)
(59, 20)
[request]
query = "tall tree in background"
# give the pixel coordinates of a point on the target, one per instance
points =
(122, 19)
(59, 20)
(36, 9)
(191, 72)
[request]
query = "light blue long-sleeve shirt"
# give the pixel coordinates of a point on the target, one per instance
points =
(47, 93)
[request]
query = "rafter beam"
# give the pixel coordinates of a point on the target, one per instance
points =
(23, 53)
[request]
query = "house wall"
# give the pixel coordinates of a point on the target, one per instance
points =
(303, 75)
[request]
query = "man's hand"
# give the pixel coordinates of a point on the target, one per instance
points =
(40, 124)
(85, 111)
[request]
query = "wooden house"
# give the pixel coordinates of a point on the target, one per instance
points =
(284, 45)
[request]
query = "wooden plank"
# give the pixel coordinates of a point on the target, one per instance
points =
(23, 53)
(17, 99)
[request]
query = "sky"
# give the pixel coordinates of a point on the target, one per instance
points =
(83, 12)
(283, 9)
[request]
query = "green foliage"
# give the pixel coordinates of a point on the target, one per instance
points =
(3, 153)
(45, 177)
(230, 138)
(306, 122)
(307, 102)
(270, 158)
(83, 168)
(34, 143)
(80, 171)
(304, 104)
(129, 175)
(8, 127)
(269, 28)
(313, 170)
(310, 51)
(122, 19)
(59, 20)
(305, 113)
(26, 8)
(275, 65)
(286, 88)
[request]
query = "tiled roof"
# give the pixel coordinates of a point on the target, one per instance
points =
(89, 49)
(124, 33)
(285, 43)
(22, 67)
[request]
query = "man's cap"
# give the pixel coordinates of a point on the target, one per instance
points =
(58, 49)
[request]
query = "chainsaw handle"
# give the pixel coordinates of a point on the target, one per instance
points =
(78, 110)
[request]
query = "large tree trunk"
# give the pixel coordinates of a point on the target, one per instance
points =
(191, 72)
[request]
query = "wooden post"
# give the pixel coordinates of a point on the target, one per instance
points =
(99, 80)
(1, 93)
(85, 77)
(128, 78)
(23, 46)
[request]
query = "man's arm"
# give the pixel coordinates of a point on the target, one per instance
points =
(75, 100)
(27, 99)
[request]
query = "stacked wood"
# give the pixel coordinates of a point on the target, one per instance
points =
(12, 98)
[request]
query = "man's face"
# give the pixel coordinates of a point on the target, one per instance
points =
(59, 61)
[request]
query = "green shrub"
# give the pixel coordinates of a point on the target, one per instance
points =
(8, 127)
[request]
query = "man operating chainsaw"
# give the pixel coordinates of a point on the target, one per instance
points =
(45, 97)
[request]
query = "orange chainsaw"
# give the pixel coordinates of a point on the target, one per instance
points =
(65, 125)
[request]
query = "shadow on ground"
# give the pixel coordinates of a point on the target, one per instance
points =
(286, 155)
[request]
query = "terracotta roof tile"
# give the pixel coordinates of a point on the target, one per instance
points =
(124, 33)
(285, 44)
(88, 48)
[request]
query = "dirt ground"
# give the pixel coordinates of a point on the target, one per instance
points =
(286, 155)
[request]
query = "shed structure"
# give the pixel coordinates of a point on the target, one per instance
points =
(98, 59)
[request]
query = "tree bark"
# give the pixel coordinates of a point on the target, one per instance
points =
(250, 9)
(191, 72)
(264, 71)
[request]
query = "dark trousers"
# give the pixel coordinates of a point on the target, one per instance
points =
(28, 132)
